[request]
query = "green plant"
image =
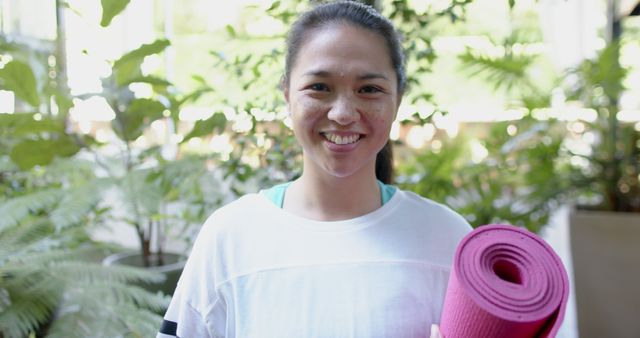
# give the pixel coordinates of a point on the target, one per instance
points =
(50, 283)
(521, 175)
(140, 171)
(608, 177)
(516, 182)
(49, 287)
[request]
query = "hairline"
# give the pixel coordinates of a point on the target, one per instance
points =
(337, 22)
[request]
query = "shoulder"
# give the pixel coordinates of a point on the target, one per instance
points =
(238, 211)
(433, 212)
(434, 223)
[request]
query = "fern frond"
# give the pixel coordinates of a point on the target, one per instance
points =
(505, 71)
(15, 238)
(77, 203)
(91, 319)
(138, 195)
(114, 294)
(129, 294)
(75, 168)
(32, 259)
(108, 310)
(140, 323)
(29, 308)
(16, 209)
(97, 273)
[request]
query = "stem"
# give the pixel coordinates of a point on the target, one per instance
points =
(145, 245)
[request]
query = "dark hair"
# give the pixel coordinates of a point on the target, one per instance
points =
(359, 15)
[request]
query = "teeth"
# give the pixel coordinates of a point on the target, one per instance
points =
(337, 139)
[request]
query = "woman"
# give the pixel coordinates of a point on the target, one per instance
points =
(335, 253)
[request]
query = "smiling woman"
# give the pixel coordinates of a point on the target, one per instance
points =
(337, 252)
(342, 95)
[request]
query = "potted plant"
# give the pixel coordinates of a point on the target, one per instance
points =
(152, 195)
(605, 222)
(51, 282)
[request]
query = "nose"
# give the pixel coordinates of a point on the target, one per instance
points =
(344, 111)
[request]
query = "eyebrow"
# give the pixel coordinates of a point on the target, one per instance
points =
(325, 74)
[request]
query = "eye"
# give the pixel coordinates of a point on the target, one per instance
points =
(319, 87)
(370, 90)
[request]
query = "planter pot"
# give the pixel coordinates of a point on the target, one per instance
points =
(172, 268)
(605, 248)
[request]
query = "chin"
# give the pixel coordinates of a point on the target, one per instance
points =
(344, 172)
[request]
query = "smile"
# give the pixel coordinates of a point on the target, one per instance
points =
(341, 140)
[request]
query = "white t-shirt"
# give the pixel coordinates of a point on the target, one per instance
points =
(259, 271)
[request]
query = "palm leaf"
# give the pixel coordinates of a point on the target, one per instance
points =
(504, 71)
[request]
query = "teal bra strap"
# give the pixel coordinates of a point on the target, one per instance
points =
(386, 192)
(276, 193)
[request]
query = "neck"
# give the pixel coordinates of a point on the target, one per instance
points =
(330, 198)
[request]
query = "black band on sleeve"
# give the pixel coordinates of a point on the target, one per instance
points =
(169, 327)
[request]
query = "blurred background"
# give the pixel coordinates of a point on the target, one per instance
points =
(125, 123)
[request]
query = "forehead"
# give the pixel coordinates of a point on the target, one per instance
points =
(343, 47)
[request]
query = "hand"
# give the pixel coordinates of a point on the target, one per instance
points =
(435, 331)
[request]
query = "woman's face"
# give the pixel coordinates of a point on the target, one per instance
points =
(342, 97)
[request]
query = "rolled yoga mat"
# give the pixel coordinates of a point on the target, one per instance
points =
(505, 282)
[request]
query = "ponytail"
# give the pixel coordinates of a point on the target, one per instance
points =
(384, 164)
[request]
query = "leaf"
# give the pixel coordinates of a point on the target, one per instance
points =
(274, 5)
(194, 95)
(34, 127)
(199, 78)
(64, 103)
(127, 67)
(217, 122)
(130, 123)
(230, 30)
(18, 77)
(29, 153)
(141, 52)
(111, 8)
(152, 80)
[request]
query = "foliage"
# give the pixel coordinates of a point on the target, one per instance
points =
(609, 178)
(416, 28)
(516, 183)
(39, 134)
(47, 286)
(133, 172)
(111, 8)
(509, 70)
(521, 177)
(18, 77)
(50, 198)
(50, 283)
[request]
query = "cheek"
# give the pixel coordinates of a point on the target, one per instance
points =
(305, 111)
(382, 115)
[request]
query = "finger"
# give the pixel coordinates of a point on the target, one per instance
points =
(435, 332)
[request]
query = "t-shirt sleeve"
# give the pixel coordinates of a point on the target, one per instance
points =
(195, 310)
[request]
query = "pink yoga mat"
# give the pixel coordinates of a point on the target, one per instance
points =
(505, 282)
